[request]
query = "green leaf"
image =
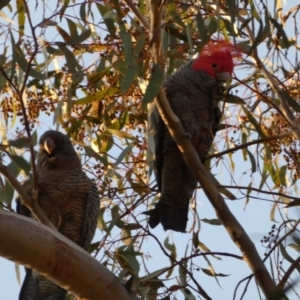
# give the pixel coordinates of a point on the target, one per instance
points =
(13, 168)
(120, 134)
(127, 260)
(195, 239)
(280, 31)
(21, 17)
(172, 10)
(83, 36)
(66, 37)
(82, 12)
(221, 189)
(155, 83)
(91, 153)
(101, 223)
(232, 9)
(123, 154)
(63, 9)
(175, 32)
(173, 254)
(202, 28)
(212, 273)
(253, 162)
(287, 256)
(130, 64)
(234, 100)
(21, 162)
(3, 3)
(124, 119)
(267, 29)
(212, 26)
(126, 237)
(154, 274)
(258, 39)
(115, 219)
(296, 245)
(254, 12)
(254, 122)
(20, 143)
(6, 193)
(282, 175)
(188, 294)
(132, 226)
(108, 92)
(127, 79)
(72, 63)
(212, 221)
(290, 100)
(110, 24)
(73, 31)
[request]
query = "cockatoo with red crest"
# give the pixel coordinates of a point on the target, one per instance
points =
(190, 93)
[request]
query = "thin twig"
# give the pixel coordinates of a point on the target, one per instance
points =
(257, 190)
(270, 138)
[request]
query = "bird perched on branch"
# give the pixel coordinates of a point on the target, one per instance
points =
(191, 94)
(70, 200)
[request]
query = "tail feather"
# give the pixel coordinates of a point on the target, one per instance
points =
(38, 287)
(171, 217)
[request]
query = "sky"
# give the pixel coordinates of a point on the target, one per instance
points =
(255, 218)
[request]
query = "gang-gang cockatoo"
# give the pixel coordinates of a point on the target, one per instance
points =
(190, 91)
(70, 200)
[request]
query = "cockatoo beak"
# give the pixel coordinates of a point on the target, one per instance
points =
(49, 145)
(224, 76)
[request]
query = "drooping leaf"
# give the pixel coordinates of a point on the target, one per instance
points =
(155, 82)
(212, 221)
(202, 28)
(287, 256)
(173, 254)
(108, 92)
(21, 162)
(21, 17)
(109, 22)
(211, 273)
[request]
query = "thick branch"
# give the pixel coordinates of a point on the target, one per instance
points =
(26, 199)
(235, 230)
(59, 259)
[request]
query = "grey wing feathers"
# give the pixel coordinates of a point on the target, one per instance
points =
(38, 287)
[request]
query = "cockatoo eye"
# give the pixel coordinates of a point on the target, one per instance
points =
(214, 66)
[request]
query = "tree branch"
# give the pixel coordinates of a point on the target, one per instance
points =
(51, 254)
(137, 13)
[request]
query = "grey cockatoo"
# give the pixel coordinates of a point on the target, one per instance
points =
(70, 200)
(190, 92)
